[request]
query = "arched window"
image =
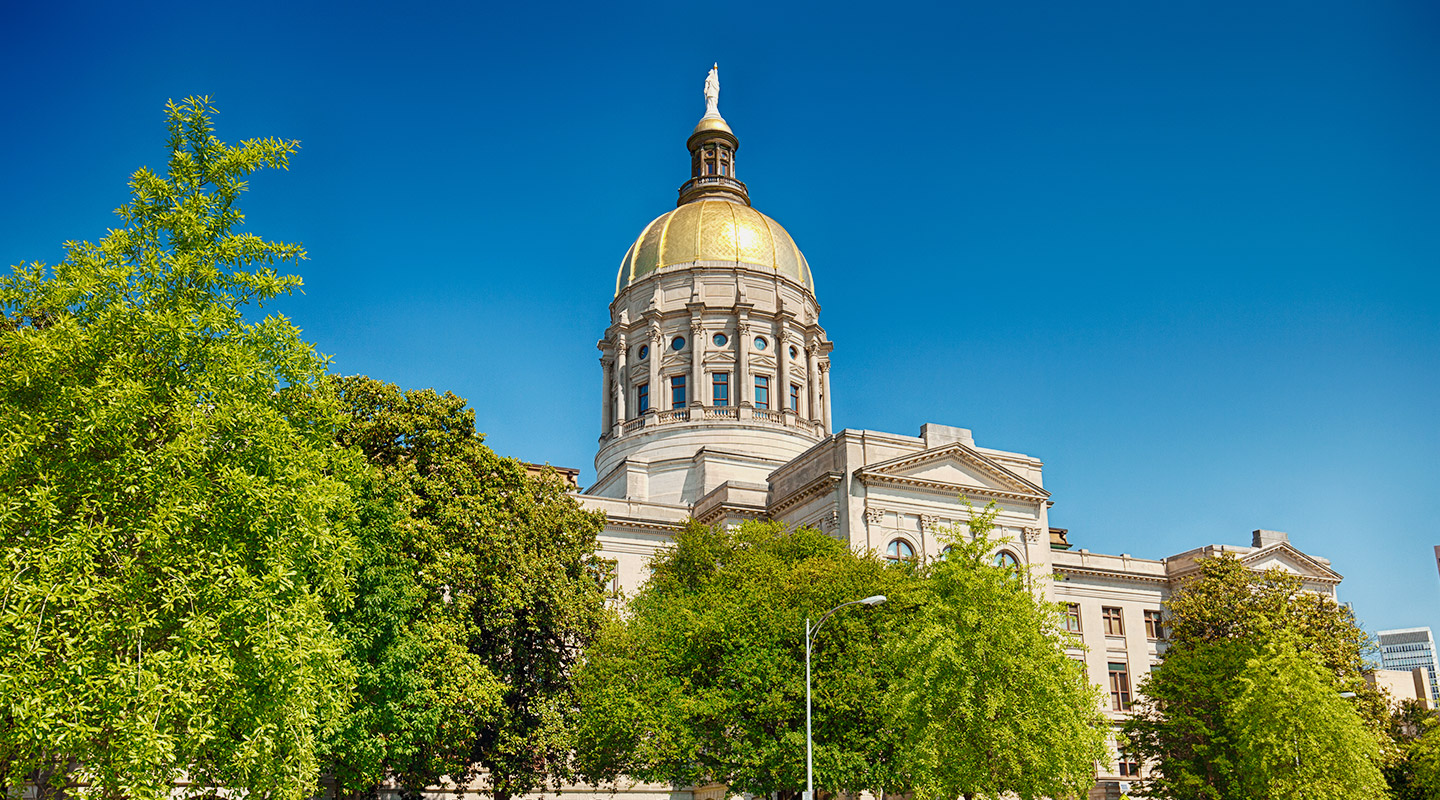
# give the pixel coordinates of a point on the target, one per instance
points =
(899, 550)
(1007, 560)
(945, 552)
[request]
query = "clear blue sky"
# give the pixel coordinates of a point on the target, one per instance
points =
(1184, 252)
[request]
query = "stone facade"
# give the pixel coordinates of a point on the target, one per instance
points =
(736, 322)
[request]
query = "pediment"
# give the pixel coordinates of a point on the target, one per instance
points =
(1283, 556)
(956, 469)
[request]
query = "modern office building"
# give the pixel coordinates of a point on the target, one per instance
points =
(1408, 648)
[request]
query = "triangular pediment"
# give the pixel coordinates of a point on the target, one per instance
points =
(955, 468)
(1284, 556)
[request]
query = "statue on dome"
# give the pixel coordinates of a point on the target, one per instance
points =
(712, 92)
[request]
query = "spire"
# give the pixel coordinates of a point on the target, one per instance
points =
(712, 148)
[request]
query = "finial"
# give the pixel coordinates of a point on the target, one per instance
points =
(712, 93)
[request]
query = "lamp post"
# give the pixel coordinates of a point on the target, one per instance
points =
(873, 600)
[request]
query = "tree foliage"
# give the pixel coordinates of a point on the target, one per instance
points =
(1220, 623)
(169, 500)
(1295, 736)
(475, 596)
(704, 680)
(989, 703)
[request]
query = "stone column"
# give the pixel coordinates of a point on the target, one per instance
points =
(812, 383)
(657, 351)
(782, 355)
(697, 362)
(741, 393)
(606, 423)
(825, 388)
(622, 384)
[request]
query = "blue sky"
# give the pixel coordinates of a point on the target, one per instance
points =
(1185, 253)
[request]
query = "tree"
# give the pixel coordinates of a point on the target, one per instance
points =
(476, 594)
(1415, 773)
(1295, 736)
(989, 703)
(1184, 724)
(171, 499)
(704, 680)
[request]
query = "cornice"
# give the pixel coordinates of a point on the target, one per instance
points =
(735, 509)
(1111, 574)
(968, 454)
(869, 476)
(820, 485)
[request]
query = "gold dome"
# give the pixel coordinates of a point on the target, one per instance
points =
(714, 230)
(708, 124)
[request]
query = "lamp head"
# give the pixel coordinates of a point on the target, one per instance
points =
(874, 600)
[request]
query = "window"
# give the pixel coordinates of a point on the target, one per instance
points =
(795, 398)
(762, 392)
(1072, 617)
(1154, 628)
(793, 352)
(720, 340)
(760, 343)
(1114, 625)
(899, 550)
(945, 552)
(644, 351)
(607, 574)
(721, 389)
(677, 391)
(1005, 560)
(642, 398)
(1119, 687)
(678, 343)
(1128, 766)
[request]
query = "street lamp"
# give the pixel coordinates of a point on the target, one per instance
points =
(873, 600)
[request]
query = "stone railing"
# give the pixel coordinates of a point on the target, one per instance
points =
(720, 415)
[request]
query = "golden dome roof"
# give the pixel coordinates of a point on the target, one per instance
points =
(714, 230)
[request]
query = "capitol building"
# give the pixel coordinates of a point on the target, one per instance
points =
(716, 404)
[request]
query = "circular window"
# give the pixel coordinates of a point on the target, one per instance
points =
(644, 351)
(899, 550)
(678, 343)
(720, 340)
(760, 343)
(794, 352)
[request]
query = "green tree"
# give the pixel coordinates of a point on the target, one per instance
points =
(1415, 773)
(1295, 736)
(476, 595)
(170, 512)
(704, 680)
(1218, 622)
(989, 703)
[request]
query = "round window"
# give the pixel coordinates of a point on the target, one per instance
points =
(760, 343)
(678, 343)
(794, 352)
(644, 351)
(720, 340)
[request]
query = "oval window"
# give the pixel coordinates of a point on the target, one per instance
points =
(720, 340)
(678, 343)
(793, 352)
(760, 343)
(644, 351)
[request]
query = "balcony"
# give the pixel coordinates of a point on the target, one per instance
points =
(704, 416)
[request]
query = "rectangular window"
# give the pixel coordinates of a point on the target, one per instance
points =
(642, 398)
(677, 392)
(721, 392)
(1072, 617)
(795, 397)
(1154, 629)
(762, 392)
(1114, 625)
(606, 572)
(1119, 687)
(1129, 766)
